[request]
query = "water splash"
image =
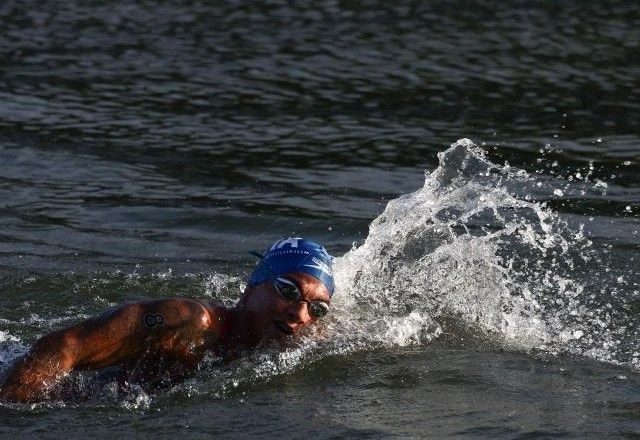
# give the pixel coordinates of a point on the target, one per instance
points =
(469, 254)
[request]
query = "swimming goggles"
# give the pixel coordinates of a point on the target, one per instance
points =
(289, 291)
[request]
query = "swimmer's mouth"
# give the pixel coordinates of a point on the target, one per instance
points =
(284, 328)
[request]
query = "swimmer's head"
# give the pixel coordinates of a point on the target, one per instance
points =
(294, 255)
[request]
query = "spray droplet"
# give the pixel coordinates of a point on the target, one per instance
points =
(628, 209)
(578, 334)
(558, 192)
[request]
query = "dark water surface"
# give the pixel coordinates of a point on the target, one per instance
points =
(145, 147)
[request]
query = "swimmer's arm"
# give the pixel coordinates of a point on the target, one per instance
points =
(98, 342)
(31, 376)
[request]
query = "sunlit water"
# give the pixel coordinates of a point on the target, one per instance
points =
(487, 288)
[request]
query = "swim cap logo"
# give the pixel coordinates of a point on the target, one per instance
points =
(320, 265)
(292, 242)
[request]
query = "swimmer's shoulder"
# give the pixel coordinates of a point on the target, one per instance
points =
(183, 311)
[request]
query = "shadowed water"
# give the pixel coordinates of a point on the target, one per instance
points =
(145, 147)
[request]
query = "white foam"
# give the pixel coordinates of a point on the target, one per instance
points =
(467, 246)
(4, 337)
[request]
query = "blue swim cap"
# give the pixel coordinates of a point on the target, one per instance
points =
(294, 255)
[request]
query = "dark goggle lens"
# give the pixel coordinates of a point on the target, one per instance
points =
(318, 308)
(287, 289)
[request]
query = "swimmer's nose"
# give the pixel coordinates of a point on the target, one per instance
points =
(298, 314)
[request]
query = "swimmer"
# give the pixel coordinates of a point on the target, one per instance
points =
(163, 341)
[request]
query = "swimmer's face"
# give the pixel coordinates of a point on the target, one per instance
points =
(274, 316)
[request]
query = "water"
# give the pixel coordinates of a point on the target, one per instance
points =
(487, 289)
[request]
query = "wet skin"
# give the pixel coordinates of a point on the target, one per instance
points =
(161, 340)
